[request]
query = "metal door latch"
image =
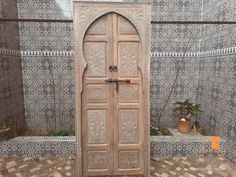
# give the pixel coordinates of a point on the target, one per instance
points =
(117, 81)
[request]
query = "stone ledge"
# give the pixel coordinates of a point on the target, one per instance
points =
(161, 146)
(187, 145)
(39, 147)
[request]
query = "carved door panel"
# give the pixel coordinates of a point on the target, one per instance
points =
(97, 99)
(128, 115)
(112, 99)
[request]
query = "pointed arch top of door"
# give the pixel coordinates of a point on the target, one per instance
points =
(111, 12)
(90, 17)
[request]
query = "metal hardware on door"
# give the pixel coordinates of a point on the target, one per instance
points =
(113, 68)
(117, 81)
(109, 80)
(124, 81)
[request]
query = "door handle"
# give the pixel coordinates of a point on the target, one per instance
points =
(113, 68)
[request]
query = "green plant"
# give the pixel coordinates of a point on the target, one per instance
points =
(186, 109)
(154, 131)
(159, 131)
(61, 133)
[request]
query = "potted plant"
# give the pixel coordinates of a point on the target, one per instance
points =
(186, 111)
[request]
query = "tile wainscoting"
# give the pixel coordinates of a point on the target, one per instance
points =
(161, 146)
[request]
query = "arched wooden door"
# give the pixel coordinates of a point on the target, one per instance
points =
(112, 99)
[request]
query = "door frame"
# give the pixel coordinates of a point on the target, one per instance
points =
(85, 13)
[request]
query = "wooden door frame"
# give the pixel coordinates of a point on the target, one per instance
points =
(85, 13)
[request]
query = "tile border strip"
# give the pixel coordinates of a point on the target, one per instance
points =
(47, 53)
(174, 54)
(219, 52)
(4, 51)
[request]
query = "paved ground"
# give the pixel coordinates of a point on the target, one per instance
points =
(192, 167)
(160, 167)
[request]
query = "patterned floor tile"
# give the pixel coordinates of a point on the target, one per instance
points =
(160, 167)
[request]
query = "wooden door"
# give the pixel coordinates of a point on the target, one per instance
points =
(112, 99)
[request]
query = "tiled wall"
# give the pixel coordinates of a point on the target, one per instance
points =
(217, 94)
(163, 74)
(48, 76)
(45, 9)
(175, 38)
(9, 8)
(218, 36)
(11, 87)
(49, 91)
(46, 37)
(215, 75)
(189, 10)
(171, 37)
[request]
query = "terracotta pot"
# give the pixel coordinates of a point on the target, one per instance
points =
(184, 126)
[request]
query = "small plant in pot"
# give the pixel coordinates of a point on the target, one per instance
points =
(186, 111)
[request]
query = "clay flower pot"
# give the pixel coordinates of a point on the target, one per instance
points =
(184, 126)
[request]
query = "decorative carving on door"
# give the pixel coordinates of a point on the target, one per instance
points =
(129, 126)
(112, 88)
(96, 129)
(96, 58)
(128, 59)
